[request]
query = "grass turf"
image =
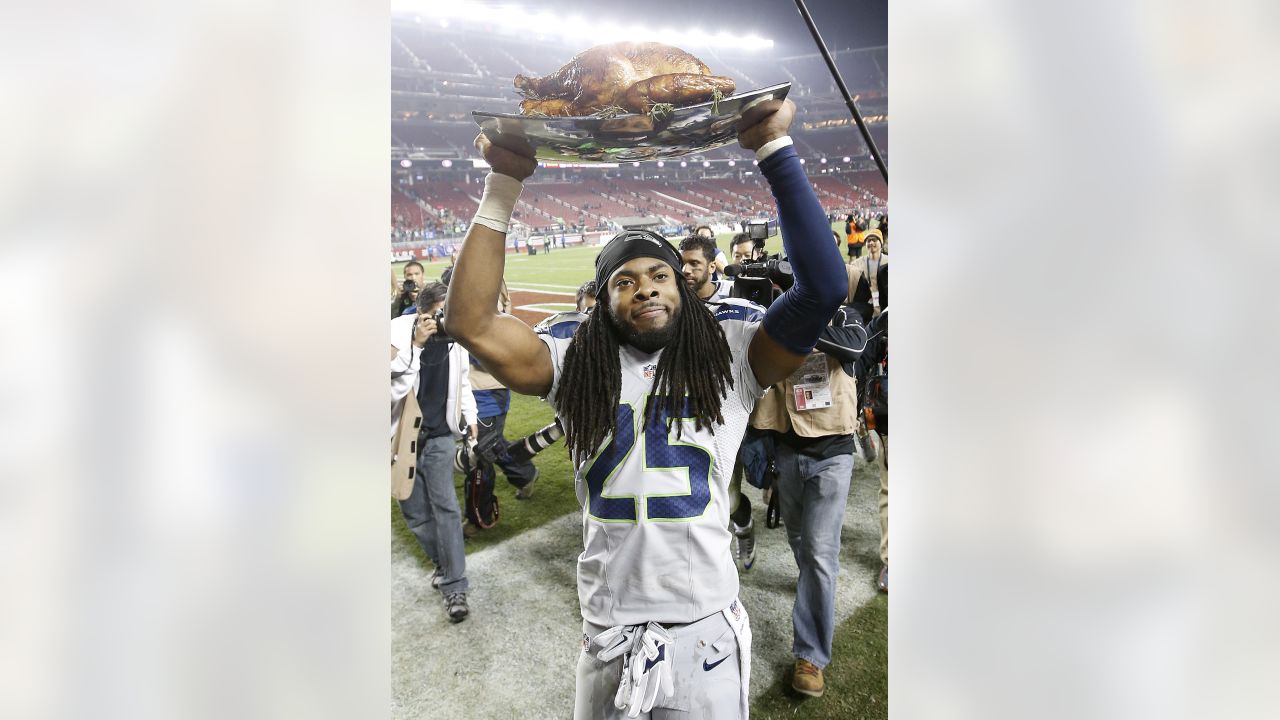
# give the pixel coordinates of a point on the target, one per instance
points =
(857, 678)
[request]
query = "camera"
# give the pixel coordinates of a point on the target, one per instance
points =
(409, 287)
(441, 335)
(761, 282)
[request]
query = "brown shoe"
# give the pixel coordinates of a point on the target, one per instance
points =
(468, 530)
(807, 679)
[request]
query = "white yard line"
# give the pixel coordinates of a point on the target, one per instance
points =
(547, 308)
(515, 655)
(537, 288)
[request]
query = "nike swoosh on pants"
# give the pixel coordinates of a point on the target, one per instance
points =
(705, 666)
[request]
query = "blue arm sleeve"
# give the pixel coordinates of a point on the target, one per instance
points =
(797, 319)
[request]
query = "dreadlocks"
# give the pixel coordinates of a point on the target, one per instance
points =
(695, 363)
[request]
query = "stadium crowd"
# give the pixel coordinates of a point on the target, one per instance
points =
(822, 410)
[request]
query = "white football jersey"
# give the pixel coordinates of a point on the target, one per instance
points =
(655, 505)
(723, 288)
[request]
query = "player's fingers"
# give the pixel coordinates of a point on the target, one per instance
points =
(633, 703)
(652, 685)
(624, 692)
(515, 144)
(758, 112)
(502, 159)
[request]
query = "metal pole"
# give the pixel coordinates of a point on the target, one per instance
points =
(848, 99)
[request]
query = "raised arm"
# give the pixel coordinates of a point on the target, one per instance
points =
(506, 347)
(794, 321)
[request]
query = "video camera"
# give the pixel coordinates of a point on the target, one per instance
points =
(760, 282)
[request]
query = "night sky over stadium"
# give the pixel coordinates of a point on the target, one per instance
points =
(843, 23)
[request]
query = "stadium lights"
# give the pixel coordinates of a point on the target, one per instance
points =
(661, 163)
(446, 163)
(684, 164)
(824, 161)
(730, 163)
(846, 158)
(706, 163)
(406, 163)
(514, 18)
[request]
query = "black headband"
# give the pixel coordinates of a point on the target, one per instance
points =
(629, 245)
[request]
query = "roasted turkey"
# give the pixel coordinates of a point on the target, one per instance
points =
(631, 76)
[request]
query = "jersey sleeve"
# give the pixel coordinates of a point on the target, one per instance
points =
(556, 332)
(740, 320)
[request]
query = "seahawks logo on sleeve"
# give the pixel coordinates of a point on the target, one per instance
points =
(561, 325)
(732, 308)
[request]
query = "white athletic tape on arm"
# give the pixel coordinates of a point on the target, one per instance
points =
(772, 147)
(498, 201)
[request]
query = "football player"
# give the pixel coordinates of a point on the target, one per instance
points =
(654, 393)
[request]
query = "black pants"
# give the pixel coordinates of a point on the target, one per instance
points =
(518, 473)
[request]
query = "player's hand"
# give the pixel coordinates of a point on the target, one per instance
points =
(767, 121)
(423, 328)
(508, 155)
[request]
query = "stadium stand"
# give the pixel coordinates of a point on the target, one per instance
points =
(439, 76)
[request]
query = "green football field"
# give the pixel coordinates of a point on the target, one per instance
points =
(857, 679)
(566, 269)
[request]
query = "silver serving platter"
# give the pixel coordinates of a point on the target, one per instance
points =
(630, 138)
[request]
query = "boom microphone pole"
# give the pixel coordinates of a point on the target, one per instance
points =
(848, 99)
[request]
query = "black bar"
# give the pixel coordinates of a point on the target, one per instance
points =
(848, 99)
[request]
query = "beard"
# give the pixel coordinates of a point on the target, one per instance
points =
(699, 283)
(647, 341)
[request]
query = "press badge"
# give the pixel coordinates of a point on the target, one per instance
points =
(811, 384)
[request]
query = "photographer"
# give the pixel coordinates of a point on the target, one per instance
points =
(435, 370)
(813, 415)
(744, 249)
(409, 288)
(873, 378)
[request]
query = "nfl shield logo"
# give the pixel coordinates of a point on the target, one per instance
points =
(648, 371)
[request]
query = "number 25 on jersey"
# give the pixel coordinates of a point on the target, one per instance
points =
(660, 455)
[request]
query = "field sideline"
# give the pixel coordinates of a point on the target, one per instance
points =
(518, 648)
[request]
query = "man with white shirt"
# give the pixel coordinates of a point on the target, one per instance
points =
(435, 370)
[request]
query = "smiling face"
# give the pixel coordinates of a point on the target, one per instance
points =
(873, 246)
(644, 302)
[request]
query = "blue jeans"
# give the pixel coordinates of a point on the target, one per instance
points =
(811, 497)
(432, 514)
